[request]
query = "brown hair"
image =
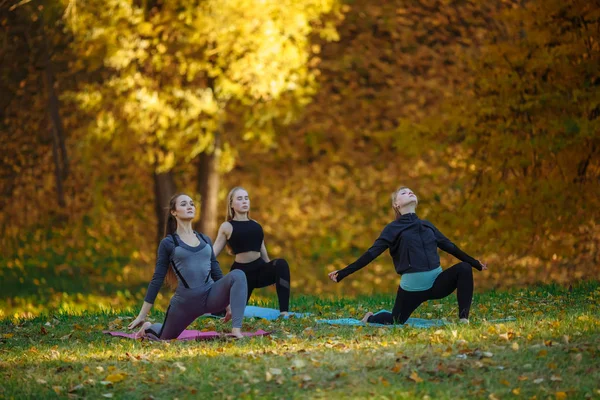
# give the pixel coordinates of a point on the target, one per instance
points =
(170, 229)
(394, 195)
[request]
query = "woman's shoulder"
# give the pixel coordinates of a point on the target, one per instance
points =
(204, 237)
(167, 242)
(226, 227)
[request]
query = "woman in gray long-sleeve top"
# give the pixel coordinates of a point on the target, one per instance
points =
(201, 286)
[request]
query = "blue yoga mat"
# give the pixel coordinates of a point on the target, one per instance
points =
(268, 313)
(262, 312)
(414, 322)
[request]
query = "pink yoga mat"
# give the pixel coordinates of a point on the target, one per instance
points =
(194, 335)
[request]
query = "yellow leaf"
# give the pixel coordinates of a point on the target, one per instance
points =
(505, 382)
(515, 346)
(415, 377)
(542, 353)
(516, 391)
(114, 378)
(561, 395)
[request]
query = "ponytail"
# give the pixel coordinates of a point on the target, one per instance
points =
(170, 229)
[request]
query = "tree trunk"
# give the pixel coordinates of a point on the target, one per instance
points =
(56, 128)
(59, 180)
(53, 110)
(164, 188)
(208, 187)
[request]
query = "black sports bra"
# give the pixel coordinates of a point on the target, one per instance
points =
(246, 236)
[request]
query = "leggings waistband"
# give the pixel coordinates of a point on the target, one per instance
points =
(251, 266)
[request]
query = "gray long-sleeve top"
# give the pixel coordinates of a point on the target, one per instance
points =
(194, 266)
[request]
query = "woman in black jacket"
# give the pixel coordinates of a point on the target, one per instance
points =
(413, 244)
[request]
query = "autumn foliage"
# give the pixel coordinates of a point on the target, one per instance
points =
(490, 111)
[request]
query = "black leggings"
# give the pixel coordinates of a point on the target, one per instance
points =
(459, 276)
(260, 273)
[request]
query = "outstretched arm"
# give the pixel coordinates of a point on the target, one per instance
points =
(222, 236)
(446, 244)
(160, 271)
(263, 252)
(382, 243)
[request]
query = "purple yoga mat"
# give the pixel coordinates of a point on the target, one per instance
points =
(194, 335)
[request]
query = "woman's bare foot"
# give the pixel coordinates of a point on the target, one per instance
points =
(365, 319)
(237, 332)
(142, 332)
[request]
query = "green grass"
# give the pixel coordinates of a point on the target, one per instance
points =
(551, 351)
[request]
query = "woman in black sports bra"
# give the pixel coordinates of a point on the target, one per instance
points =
(245, 237)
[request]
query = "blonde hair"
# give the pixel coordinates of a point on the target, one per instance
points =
(230, 212)
(394, 195)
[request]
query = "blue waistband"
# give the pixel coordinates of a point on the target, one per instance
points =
(419, 281)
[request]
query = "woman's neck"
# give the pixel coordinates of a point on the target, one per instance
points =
(240, 217)
(408, 209)
(184, 227)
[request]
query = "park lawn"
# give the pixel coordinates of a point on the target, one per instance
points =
(551, 351)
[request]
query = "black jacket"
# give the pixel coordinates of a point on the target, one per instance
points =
(413, 244)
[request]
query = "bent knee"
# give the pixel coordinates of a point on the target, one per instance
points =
(281, 263)
(238, 274)
(465, 267)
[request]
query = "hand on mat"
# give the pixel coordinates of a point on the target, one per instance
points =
(333, 276)
(136, 322)
(227, 316)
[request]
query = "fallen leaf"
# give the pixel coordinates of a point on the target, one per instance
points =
(555, 378)
(109, 395)
(298, 363)
(415, 377)
(515, 346)
(76, 388)
(538, 380)
(114, 378)
(516, 391)
(268, 376)
(561, 395)
(542, 353)
(41, 381)
(275, 371)
(180, 365)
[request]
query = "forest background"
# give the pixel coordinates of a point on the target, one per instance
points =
(489, 111)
